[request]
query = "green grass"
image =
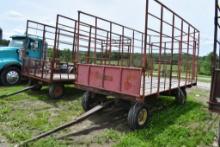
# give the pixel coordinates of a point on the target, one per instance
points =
(28, 114)
(173, 126)
(204, 78)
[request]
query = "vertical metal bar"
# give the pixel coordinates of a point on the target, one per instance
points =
(110, 48)
(54, 50)
(119, 56)
(25, 67)
(106, 48)
(180, 55)
(74, 44)
(160, 50)
(122, 50)
(142, 45)
(78, 37)
(89, 46)
(152, 70)
(132, 55)
(194, 54)
(212, 98)
(95, 40)
(164, 68)
(187, 56)
(150, 49)
(172, 50)
(43, 48)
(145, 45)
(197, 59)
(128, 58)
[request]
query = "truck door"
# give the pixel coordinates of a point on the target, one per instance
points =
(34, 49)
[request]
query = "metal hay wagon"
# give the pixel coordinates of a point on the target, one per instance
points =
(135, 66)
(57, 67)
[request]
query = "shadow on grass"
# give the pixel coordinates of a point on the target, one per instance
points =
(70, 94)
(166, 111)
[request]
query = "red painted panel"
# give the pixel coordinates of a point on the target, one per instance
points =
(131, 81)
(82, 77)
(112, 79)
(96, 76)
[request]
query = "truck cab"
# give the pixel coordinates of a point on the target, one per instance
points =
(11, 60)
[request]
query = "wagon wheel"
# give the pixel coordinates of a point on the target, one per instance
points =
(56, 91)
(90, 100)
(37, 87)
(181, 96)
(138, 116)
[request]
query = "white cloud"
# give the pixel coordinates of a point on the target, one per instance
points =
(15, 15)
(19, 31)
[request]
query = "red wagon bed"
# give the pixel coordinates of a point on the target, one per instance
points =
(134, 65)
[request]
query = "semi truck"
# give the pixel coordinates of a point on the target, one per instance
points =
(11, 60)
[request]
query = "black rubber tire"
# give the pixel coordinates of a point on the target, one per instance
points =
(4, 74)
(38, 86)
(133, 116)
(181, 96)
(184, 92)
(56, 91)
(90, 100)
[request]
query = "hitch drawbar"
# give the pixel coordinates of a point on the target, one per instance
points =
(18, 92)
(75, 121)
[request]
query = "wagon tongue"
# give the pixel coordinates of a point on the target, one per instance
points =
(74, 122)
(18, 92)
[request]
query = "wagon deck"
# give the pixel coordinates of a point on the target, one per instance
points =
(137, 65)
(127, 62)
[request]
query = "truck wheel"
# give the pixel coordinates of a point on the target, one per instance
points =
(56, 91)
(37, 87)
(10, 76)
(90, 100)
(138, 116)
(181, 96)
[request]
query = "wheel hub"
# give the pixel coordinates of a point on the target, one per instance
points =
(142, 117)
(12, 77)
(58, 91)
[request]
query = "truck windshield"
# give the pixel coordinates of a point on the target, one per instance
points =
(17, 43)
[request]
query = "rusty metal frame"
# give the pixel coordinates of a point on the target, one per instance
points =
(183, 41)
(46, 68)
(214, 101)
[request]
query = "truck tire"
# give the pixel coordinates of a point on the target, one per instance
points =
(138, 116)
(90, 100)
(10, 76)
(181, 96)
(56, 91)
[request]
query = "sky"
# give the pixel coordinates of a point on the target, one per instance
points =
(13, 14)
